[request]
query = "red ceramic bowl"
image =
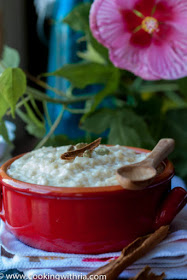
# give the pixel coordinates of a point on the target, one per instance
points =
(87, 220)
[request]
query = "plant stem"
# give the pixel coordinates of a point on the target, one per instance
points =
(46, 113)
(45, 85)
(42, 96)
(159, 87)
(76, 111)
(175, 98)
(19, 104)
(52, 130)
(35, 107)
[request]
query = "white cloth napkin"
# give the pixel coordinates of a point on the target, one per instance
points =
(170, 256)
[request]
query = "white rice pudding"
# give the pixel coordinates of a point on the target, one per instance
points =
(45, 167)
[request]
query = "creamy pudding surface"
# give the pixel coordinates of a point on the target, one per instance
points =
(45, 166)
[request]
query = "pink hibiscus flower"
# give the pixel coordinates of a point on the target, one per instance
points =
(146, 37)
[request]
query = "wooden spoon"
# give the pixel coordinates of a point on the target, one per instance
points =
(140, 175)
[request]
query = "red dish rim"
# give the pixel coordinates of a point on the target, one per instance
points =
(167, 174)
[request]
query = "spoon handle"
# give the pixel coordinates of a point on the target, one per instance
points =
(164, 147)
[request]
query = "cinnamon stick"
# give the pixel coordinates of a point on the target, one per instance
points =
(146, 274)
(79, 152)
(131, 253)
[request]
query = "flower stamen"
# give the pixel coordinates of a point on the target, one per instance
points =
(150, 24)
(138, 14)
(153, 10)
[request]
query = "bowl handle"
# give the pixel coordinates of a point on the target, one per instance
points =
(2, 214)
(172, 205)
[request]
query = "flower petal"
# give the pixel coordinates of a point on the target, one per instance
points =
(93, 19)
(165, 33)
(132, 59)
(106, 22)
(162, 55)
(173, 12)
(141, 39)
(131, 20)
(169, 61)
(178, 5)
(145, 6)
(164, 12)
(126, 5)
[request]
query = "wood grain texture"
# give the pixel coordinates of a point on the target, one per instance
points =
(140, 175)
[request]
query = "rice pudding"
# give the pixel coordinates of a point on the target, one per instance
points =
(45, 166)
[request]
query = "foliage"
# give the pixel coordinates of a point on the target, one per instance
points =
(143, 111)
(10, 58)
(93, 73)
(13, 86)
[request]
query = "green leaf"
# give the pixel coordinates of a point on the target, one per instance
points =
(3, 105)
(3, 131)
(98, 47)
(183, 86)
(12, 87)
(151, 112)
(173, 101)
(32, 116)
(180, 162)
(175, 126)
(33, 127)
(61, 140)
(123, 135)
(36, 131)
(136, 85)
(140, 126)
(10, 58)
(85, 73)
(78, 19)
(99, 121)
(130, 129)
(91, 55)
(109, 89)
(126, 127)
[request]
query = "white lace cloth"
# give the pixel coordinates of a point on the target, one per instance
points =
(170, 256)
